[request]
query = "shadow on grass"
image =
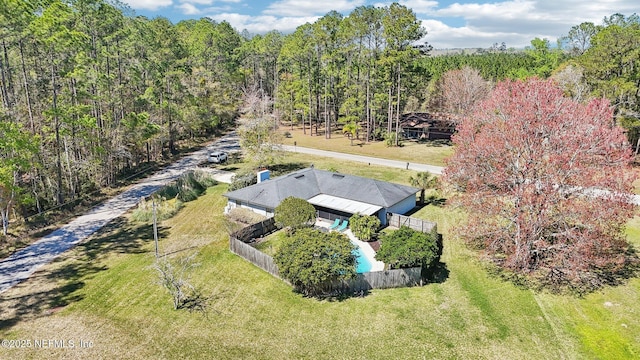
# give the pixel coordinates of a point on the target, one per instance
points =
(438, 273)
(229, 168)
(68, 273)
(436, 142)
(558, 280)
(435, 200)
(281, 169)
(334, 296)
(344, 296)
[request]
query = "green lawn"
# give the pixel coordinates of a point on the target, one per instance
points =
(104, 291)
(272, 242)
(412, 151)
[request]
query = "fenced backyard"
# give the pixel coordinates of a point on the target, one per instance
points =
(239, 245)
(397, 221)
(253, 255)
(248, 233)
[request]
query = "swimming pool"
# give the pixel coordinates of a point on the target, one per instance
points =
(363, 263)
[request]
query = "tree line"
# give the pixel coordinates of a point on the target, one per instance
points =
(95, 93)
(89, 90)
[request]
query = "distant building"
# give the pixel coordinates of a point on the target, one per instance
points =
(427, 126)
(334, 195)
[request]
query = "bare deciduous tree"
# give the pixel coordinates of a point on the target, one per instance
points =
(258, 136)
(461, 89)
(174, 276)
(571, 80)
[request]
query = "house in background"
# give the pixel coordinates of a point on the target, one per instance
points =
(428, 126)
(334, 195)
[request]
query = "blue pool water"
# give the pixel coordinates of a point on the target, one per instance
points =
(363, 264)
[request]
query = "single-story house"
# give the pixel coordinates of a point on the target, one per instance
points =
(428, 126)
(334, 195)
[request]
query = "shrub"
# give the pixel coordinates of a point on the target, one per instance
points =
(234, 157)
(169, 198)
(165, 209)
(390, 139)
(364, 227)
(406, 247)
(294, 213)
(245, 216)
(206, 180)
(188, 187)
(312, 260)
(243, 179)
(378, 134)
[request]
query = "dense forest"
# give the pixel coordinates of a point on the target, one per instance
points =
(90, 91)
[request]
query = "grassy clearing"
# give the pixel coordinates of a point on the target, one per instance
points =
(104, 291)
(424, 153)
(271, 244)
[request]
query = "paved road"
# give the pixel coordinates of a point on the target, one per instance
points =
(367, 159)
(25, 262)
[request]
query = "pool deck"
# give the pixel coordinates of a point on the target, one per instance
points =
(367, 250)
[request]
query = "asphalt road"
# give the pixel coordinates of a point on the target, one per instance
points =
(20, 265)
(367, 159)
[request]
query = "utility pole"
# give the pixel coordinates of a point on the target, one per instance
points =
(398, 110)
(155, 226)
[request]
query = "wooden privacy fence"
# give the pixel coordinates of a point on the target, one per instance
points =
(361, 282)
(248, 233)
(398, 221)
(385, 279)
(253, 255)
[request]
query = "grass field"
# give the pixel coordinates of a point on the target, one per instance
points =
(104, 291)
(411, 151)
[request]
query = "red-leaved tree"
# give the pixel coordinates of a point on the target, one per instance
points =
(545, 181)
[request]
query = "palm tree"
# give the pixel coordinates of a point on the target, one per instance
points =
(423, 180)
(351, 129)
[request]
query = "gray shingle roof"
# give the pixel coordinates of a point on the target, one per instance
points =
(309, 182)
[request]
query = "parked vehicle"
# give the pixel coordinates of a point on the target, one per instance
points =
(217, 157)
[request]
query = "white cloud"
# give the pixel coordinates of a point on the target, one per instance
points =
(199, 2)
(263, 23)
(500, 10)
(152, 5)
(420, 6)
(517, 22)
(310, 7)
(188, 9)
(442, 36)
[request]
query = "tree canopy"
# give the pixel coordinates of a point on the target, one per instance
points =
(545, 180)
(423, 180)
(295, 213)
(406, 247)
(312, 260)
(364, 227)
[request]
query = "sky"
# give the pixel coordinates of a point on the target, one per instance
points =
(449, 24)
